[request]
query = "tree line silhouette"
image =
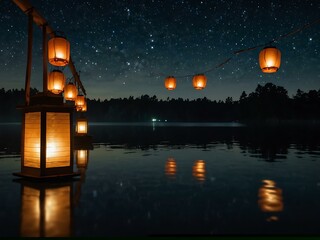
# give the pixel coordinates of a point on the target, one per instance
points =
(266, 103)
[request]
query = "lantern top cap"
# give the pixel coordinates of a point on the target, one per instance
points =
(199, 74)
(170, 77)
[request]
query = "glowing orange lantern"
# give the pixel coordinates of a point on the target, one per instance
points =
(84, 107)
(82, 126)
(199, 81)
(171, 167)
(199, 170)
(56, 81)
(58, 51)
(70, 92)
(270, 59)
(80, 101)
(170, 83)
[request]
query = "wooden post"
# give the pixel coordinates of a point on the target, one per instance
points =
(45, 57)
(29, 58)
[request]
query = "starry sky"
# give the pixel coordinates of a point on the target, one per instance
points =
(126, 48)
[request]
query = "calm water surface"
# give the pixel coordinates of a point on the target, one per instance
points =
(157, 179)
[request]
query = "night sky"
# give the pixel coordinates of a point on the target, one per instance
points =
(126, 48)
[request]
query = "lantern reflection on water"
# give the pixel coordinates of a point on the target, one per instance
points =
(270, 198)
(199, 170)
(171, 167)
(46, 209)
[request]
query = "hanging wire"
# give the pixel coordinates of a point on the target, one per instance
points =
(295, 31)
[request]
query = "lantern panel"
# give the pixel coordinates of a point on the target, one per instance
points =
(270, 59)
(58, 140)
(170, 83)
(58, 51)
(32, 135)
(56, 81)
(70, 92)
(82, 126)
(199, 81)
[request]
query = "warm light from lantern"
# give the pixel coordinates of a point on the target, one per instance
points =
(82, 126)
(84, 107)
(56, 81)
(58, 51)
(199, 170)
(170, 83)
(170, 167)
(270, 59)
(58, 140)
(70, 92)
(199, 81)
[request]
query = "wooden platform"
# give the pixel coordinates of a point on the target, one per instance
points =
(47, 178)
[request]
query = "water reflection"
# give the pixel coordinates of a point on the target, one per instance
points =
(46, 209)
(199, 170)
(171, 167)
(270, 199)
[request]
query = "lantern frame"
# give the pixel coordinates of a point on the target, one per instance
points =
(79, 126)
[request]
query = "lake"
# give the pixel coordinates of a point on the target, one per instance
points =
(160, 179)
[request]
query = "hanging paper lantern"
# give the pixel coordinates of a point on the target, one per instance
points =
(84, 107)
(58, 51)
(170, 83)
(270, 59)
(80, 101)
(56, 81)
(199, 81)
(70, 92)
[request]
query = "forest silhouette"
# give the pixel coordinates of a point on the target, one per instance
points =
(268, 103)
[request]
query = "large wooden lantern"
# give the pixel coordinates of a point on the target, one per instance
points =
(47, 138)
(46, 209)
(80, 102)
(59, 51)
(199, 81)
(70, 92)
(199, 170)
(82, 126)
(170, 83)
(56, 81)
(270, 59)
